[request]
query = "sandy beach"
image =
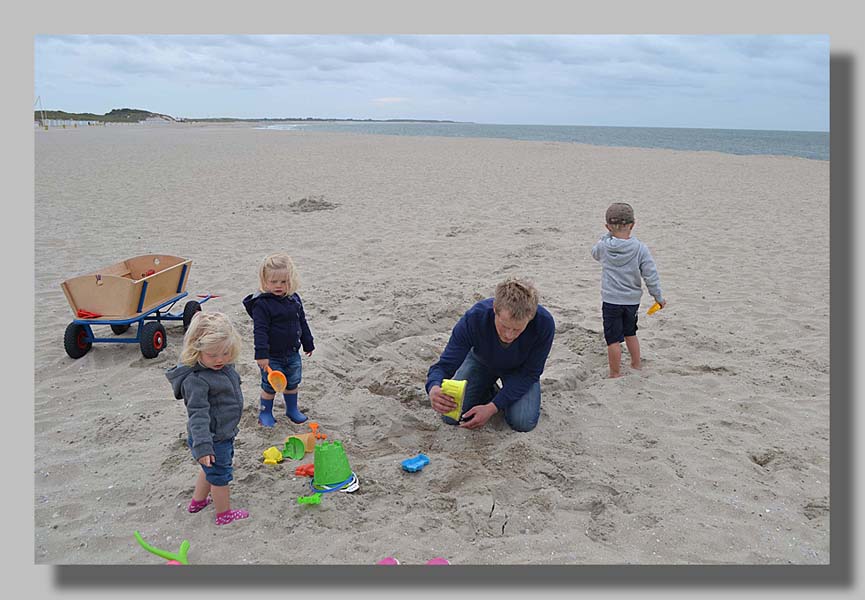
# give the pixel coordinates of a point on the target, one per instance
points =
(717, 452)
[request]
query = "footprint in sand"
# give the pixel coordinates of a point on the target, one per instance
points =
(815, 509)
(601, 526)
(776, 459)
(678, 466)
(705, 432)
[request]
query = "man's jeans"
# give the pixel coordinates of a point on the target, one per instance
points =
(522, 415)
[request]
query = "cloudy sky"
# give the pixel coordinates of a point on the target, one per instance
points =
(715, 81)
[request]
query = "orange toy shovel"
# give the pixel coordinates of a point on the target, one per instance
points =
(276, 379)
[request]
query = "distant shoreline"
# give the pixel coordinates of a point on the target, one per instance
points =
(311, 119)
(132, 115)
(805, 145)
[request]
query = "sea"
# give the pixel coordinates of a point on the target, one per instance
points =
(812, 145)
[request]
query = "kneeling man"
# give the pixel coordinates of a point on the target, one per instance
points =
(506, 337)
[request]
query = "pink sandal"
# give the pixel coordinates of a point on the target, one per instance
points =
(224, 518)
(197, 505)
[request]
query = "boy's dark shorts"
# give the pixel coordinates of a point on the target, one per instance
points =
(220, 472)
(620, 321)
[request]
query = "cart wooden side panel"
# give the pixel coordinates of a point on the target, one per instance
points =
(129, 288)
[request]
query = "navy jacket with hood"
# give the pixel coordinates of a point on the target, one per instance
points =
(279, 325)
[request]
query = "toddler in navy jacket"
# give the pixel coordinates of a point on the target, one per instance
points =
(280, 331)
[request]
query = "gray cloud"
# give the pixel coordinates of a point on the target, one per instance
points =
(321, 75)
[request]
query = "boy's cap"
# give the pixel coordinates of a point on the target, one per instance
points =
(620, 213)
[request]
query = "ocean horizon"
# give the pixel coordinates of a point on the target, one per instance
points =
(812, 145)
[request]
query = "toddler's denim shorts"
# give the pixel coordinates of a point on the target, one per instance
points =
(220, 472)
(289, 365)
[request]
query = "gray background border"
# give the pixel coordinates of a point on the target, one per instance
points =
(835, 17)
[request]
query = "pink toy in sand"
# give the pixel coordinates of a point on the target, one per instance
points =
(438, 560)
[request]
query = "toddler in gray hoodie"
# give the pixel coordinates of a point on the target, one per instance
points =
(626, 262)
(210, 387)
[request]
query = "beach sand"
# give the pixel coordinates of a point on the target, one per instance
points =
(716, 453)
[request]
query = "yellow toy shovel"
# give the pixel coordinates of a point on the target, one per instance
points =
(654, 308)
(276, 379)
(456, 389)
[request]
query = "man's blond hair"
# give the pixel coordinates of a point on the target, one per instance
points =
(279, 263)
(209, 331)
(518, 296)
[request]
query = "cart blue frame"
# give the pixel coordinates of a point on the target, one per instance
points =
(154, 314)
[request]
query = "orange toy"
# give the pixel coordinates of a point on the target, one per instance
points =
(276, 379)
(318, 436)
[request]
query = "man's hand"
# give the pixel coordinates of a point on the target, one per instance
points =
(207, 460)
(441, 402)
(477, 416)
(263, 363)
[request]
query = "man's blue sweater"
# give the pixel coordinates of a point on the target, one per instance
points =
(278, 325)
(522, 362)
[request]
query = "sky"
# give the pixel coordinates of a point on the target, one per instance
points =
(708, 81)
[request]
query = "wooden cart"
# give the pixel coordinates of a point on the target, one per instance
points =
(140, 290)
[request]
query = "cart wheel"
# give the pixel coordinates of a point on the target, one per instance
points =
(152, 339)
(75, 340)
(189, 311)
(119, 329)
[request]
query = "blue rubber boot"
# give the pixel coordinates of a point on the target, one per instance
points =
(291, 410)
(265, 415)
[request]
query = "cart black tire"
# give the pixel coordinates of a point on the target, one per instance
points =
(119, 329)
(74, 340)
(153, 339)
(189, 311)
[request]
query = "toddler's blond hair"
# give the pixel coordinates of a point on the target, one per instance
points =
(209, 330)
(518, 296)
(275, 263)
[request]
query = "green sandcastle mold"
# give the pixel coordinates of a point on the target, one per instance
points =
(331, 464)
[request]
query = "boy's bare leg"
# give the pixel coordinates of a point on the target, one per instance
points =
(633, 345)
(614, 356)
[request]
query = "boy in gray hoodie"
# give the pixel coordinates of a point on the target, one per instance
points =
(625, 261)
